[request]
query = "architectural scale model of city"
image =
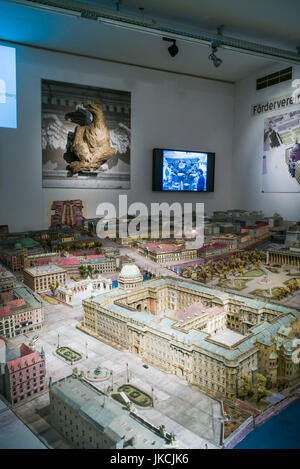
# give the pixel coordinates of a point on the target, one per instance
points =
(96, 331)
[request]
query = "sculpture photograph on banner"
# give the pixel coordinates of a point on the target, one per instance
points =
(85, 136)
(281, 157)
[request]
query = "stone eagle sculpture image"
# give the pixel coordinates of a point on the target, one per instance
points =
(91, 143)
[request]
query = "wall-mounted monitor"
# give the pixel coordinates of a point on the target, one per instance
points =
(8, 94)
(184, 171)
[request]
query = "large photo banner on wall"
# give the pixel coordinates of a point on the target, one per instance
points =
(281, 157)
(85, 136)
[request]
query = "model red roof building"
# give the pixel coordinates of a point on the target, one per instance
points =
(25, 376)
(167, 251)
(20, 312)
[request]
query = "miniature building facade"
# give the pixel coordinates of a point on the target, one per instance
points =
(130, 277)
(2, 351)
(162, 252)
(13, 250)
(40, 278)
(143, 322)
(88, 419)
(284, 255)
(99, 264)
(25, 376)
(87, 286)
(20, 312)
(7, 280)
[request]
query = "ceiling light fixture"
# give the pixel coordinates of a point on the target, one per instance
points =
(215, 60)
(173, 49)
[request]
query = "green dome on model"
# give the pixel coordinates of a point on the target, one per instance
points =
(130, 271)
(28, 242)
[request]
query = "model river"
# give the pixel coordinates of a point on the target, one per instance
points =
(280, 432)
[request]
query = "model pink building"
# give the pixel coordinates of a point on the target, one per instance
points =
(25, 376)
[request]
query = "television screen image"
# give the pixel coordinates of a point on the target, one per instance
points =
(177, 170)
(184, 171)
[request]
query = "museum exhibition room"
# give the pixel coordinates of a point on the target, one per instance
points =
(150, 227)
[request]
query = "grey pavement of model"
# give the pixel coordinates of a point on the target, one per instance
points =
(193, 416)
(14, 433)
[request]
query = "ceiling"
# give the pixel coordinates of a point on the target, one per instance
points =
(46, 29)
(275, 20)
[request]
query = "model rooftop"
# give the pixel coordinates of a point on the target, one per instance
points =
(229, 350)
(194, 310)
(44, 270)
(227, 337)
(163, 246)
(4, 273)
(112, 417)
(18, 300)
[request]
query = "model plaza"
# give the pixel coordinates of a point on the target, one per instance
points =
(181, 328)
(149, 227)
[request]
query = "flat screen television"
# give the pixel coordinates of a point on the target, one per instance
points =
(185, 171)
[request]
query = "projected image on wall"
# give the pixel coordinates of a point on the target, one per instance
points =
(184, 171)
(8, 101)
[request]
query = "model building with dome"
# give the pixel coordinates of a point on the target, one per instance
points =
(185, 329)
(130, 277)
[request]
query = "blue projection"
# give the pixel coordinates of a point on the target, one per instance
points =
(8, 98)
(184, 171)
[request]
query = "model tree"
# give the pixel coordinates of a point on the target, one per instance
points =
(260, 387)
(245, 386)
(282, 382)
(82, 270)
(53, 287)
(90, 270)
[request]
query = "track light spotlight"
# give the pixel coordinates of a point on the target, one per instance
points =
(173, 49)
(215, 60)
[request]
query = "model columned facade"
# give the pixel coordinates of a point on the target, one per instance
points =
(180, 327)
(71, 290)
(167, 251)
(100, 264)
(278, 254)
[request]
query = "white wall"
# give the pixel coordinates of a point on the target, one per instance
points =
(248, 149)
(168, 111)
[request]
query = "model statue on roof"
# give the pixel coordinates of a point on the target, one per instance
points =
(91, 143)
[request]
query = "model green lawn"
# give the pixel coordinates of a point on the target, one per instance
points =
(273, 270)
(234, 283)
(137, 396)
(69, 354)
(253, 273)
(277, 293)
